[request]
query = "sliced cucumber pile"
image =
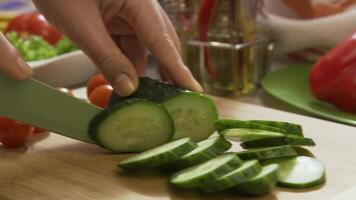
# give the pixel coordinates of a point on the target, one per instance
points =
(206, 150)
(243, 134)
(159, 156)
(299, 172)
(267, 153)
(193, 114)
(278, 141)
(238, 176)
(260, 184)
(205, 172)
(133, 125)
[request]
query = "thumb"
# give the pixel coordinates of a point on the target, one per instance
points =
(87, 30)
(11, 63)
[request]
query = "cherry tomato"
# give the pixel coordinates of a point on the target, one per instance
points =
(100, 96)
(13, 133)
(34, 23)
(94, 82)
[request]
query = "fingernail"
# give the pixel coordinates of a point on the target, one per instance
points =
(23, 69)
(197, 86)
(124, 85)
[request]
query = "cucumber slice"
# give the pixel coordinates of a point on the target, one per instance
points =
(243, 134)
(267, 153)
(160, 155)
(299, 172)
(223, 124)
(247, 171)
(290, 128)
(303, 152)
(193, 115)
(277, 141)
(261, 184)
(207, 171)
(133, 125)
(206, 150)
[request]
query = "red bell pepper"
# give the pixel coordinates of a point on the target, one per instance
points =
(205, 16)
(333, 77)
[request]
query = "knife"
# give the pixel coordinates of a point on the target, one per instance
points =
(33, 102)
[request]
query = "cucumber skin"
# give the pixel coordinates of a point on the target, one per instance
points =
(222, 170)
(152, 90)
(249, 134)
(161, 159)
(97, 120)
(203, 156)
(223, 124)
(277, 141)
(293, 129)
(263, 186)
(235, 179)
(267, 153)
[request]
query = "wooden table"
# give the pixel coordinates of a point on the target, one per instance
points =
(54, 167)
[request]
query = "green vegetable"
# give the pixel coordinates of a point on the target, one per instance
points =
(277, 141)
(133, 125)
(267, 153)
(243, 134)
(159, 156)
(299, 172)
(261, 184)
(207, 171)
(290, 128)
(33, 47)
(193, 114)
(240, 175)
(223, 124)
(206, 150)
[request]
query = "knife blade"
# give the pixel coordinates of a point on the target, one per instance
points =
(36, 103)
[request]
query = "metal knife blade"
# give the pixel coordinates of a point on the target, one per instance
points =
(36, 103)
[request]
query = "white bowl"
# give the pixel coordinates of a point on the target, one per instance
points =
(69, 69)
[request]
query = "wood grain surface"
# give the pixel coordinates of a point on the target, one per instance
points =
(53, 167)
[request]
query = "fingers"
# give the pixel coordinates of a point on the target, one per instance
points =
(134, 50)
(87, 30)
(154, 32)
(11, 63)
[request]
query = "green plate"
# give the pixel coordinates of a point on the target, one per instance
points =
(291, 86)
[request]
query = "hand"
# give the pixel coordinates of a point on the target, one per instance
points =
(11, 62)
(115, 35)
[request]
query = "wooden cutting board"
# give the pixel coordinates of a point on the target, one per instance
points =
(54, 167)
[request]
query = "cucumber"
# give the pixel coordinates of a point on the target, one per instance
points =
(150, 89)
(206, 150)
(267, 153)
(193, 114)
(243, 134)
(160, 155)
(299, 172)
(133, 125)
(277, 141)
(207, 171)
(303, 152)
(290, 128)
(223, 124)
(247, 171)
(261, 184)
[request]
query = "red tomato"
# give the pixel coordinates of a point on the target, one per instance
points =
(34, 23)
(13, 133)
(100, 96)
(39, 130)
(94, 82)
